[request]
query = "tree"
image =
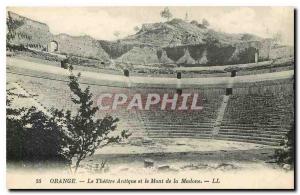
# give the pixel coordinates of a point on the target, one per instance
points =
(32, 136)
(43, 138)
(166, 13)
(247, 37)
(204, 24)
(14, 130)
(62, 136)
(211, 38)
(85, 133)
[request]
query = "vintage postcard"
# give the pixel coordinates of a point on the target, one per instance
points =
(150, 97)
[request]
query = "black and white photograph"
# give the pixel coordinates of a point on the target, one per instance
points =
(150, 97)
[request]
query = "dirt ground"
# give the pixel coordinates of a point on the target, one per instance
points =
(206, 164)
(181, 154)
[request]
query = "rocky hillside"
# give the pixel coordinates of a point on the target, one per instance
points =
(179, 32)
(172, 42)
(185, 43)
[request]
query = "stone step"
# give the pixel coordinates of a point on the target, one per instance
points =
(237, 127)
(176, 123)
(203, 136)
(176, 119)
(249, 141)
(253, 131)
(252, 134)
(254, 128)
(178, 131)
(166, 126)
(257, 126)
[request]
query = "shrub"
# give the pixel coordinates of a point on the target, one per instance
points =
(32, 136)
(286, 154)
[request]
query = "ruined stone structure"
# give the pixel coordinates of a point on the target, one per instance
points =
(175, 47)
(185, 50)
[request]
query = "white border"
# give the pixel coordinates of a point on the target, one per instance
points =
(5, 3)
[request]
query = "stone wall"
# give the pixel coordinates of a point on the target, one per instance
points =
(36, 35)
(84, 46)
(30, 33)
(219, 54)
(272, 87)
(281, 52)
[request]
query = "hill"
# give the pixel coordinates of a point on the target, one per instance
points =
(179, 32)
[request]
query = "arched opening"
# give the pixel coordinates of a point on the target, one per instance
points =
(126, 73)
(52, 46)
(233, 73)
(178, 75)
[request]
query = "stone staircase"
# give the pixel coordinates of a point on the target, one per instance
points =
(262, 119)
(221, 112)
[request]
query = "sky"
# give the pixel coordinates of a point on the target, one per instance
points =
(102, 22)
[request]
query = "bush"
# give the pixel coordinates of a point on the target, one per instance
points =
(286, 154)
(33, 138)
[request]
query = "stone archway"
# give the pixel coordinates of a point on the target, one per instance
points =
(52, 46)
